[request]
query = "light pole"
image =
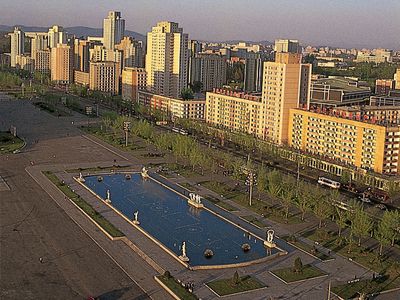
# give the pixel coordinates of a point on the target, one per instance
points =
(250, 182)
(127, 127)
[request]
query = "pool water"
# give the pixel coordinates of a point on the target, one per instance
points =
(167, 217)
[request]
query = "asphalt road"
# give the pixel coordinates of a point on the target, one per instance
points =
(43, 253)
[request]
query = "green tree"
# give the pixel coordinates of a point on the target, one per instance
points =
(187, 94)
(262, 180)
(302, 198)
(236, 278)
(361, 224)
(286, 198)
(322, 209)
(197, 86)
(382, 234)
(298, 265)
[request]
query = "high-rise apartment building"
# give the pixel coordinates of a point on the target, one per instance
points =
(209, 69)
(132, 52)
(286, 85)
(253, 72)
(17, 44)
(291, 46)
(42, 61)
(56, 35)
(133, 80)
(82, 55)
(195, 47)
(167, 59)
(61, 64)
(113, 29)
(38, 41)
(104, 77)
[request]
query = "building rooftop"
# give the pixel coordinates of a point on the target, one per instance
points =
(342, 83)
(241, 95)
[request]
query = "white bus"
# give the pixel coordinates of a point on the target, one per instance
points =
(329, 182)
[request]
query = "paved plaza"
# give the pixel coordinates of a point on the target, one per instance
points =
(48, 247)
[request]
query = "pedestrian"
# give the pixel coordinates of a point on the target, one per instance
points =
(41, 259)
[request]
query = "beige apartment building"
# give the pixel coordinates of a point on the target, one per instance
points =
(132, 52)
(167, 59)
(113, 29)
(104, 77)
(235, 111)
(133, 80)
(397, 79)
(17, 44)
(174, 108)
(367, 143)
(286, 85)
(61, 64)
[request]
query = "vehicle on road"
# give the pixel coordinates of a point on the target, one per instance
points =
(329, 182)
(381, 206)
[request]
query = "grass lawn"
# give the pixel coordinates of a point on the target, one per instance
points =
(366, 257)
(307, 248)
(86, 207)
(96, 169)
(289, 276)
(222, 204)
(187, 186)
(225, 287)
(353, 290)
(254, 221)
(9, 143)
(220, 188)
(54, 110)
(177, 288)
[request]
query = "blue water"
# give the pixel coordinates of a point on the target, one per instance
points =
(166, 216)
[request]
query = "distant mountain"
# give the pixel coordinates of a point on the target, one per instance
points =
(76, 30)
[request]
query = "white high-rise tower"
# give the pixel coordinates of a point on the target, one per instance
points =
(167, 59)
(113, 29)
(17, 44)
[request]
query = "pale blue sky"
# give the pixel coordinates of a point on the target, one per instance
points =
(347, 23)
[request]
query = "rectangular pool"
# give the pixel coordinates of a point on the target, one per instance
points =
(167, 217)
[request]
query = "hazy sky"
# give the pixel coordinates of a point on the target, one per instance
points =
(358, 23)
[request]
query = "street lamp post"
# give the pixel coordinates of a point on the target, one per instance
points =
(127, 127)
(250, 182)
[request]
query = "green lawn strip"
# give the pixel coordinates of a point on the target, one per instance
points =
(86, 207)
(177, 288)
(225, 287)
(220, 188)
(187, 186)
(307, 248)
(289, 276)
(97, 169)
(353, 290)
(254, 221)
(365, 257)
(54, 110)
(9, 143)
(222, 204)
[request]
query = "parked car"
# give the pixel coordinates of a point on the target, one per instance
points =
(381, 206)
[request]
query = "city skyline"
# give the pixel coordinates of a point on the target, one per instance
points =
(373, 23)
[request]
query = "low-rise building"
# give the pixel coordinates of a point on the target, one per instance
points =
(133, 80)
(25, 62)
(82, 78)
(383, 86)
(338, 136)
(174, 108)
(338, 91)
